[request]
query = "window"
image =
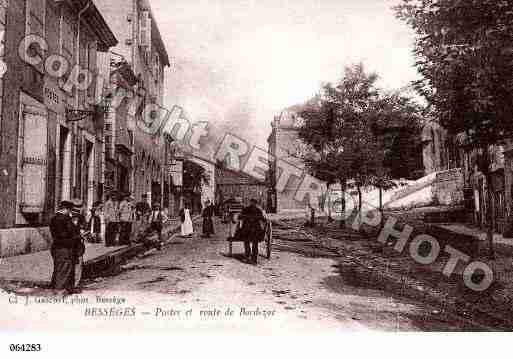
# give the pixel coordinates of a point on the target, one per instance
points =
(68, 40)
(35, 25)
(33, 142)
(68, 43)
(156, 69)
(91, 65)
(35, 17)
(130, 138)
(145, 30)
(108, 146)
(108, 127)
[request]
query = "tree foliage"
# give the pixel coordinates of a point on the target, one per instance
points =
(464, 53)
(194, 176)
(357, 133)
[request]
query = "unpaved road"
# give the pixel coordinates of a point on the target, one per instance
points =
(295, 291)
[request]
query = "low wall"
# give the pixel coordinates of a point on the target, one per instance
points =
(17, 241)
(448, 188)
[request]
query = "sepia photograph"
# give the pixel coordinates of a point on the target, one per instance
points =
(300, 167)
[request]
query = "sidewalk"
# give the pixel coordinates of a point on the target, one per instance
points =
(476, 232)
(36, 268)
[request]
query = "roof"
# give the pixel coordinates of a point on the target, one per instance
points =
(225, 176)
(106, 38)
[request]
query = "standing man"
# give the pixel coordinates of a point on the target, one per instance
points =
(110, 214)
(208, 223)
(126, 215)
(79, 223)
(157, 220)
(253, 229)
(64, 235)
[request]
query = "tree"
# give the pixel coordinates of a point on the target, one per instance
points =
(337, 129)
(465, 56)
(194, 176)
(397, 128)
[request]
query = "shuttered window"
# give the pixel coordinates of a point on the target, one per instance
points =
(36, 25)
(68, 44)
(33, 159)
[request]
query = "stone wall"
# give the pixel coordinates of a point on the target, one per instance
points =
(448, 187)
(18, 241)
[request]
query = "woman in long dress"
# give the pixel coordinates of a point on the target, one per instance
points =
(208, 223)
(185, 218)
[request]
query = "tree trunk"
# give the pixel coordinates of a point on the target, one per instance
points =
(380, 189)
(328, 203)
(359, 188)
(343, 204)
(489, 212)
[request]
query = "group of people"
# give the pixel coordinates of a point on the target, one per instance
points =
(120, 214)
(70, 230)
(187, 227)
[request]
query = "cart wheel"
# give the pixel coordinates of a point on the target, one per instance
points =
(269, 239)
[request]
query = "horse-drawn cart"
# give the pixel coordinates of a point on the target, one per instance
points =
(237, 235)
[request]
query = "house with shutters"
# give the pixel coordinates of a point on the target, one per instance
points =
(136, 162)
(51, 128)
(235, 184)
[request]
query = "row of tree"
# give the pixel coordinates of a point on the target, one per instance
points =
(358, 135)
(464, 51)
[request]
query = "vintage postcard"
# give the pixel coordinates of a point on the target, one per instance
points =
(244, 166)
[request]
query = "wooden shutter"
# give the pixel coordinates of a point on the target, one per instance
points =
(34, 160)
(145, 30)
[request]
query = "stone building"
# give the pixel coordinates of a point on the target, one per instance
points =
(284, 145)
(51, 129)
(140, 161)
(233, 184)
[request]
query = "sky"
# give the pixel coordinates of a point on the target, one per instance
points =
(237, 63)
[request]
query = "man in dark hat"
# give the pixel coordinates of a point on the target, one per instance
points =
(64, 235)
(253, 229)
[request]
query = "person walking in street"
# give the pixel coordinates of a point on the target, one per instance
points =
(208, 223)
(252, 230)
(94, 223)
(64, 235)
(126, 216)
(185, 218)
(110, 214)
(157, 220)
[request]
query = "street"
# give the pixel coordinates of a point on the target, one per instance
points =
(298, 289)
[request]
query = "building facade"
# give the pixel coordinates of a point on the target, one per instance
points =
(139, 161)
(233, 184)
(51, 128)
(284, 144)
